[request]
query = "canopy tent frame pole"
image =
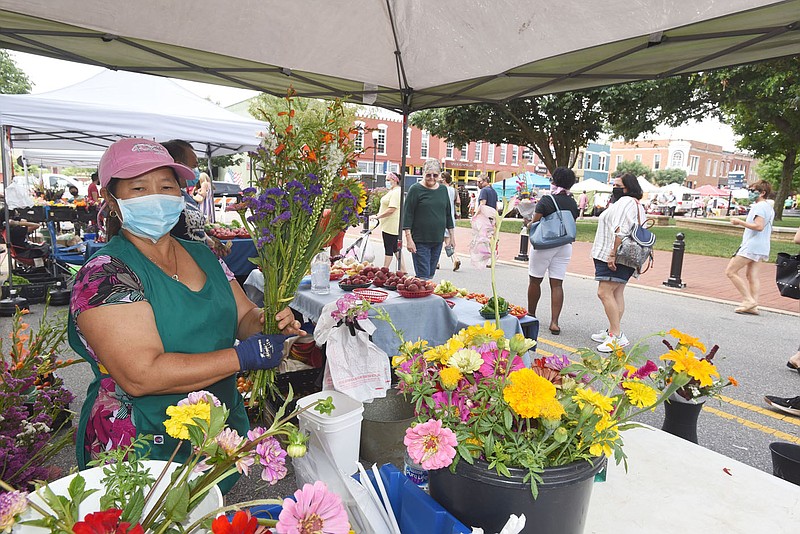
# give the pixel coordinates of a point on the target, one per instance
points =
(7, 167)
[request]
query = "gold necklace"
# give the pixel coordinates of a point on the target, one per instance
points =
(174, 259)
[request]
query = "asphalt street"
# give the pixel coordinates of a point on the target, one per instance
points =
(753, 349)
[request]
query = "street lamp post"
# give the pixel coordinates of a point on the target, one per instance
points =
(375, 135)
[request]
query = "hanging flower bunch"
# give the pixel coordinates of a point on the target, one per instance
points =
(129, 505)
(32, 397)
(303, 196)
(475, 400)
(682, 361)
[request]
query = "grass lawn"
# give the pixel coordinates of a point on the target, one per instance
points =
(702, 242)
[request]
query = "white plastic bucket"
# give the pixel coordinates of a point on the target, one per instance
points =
(340, 432)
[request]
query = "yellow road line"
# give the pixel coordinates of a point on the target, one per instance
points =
(716, 411)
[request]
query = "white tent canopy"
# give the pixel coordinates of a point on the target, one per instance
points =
(406, 54)
(62, 158)
(678, 189)
(590, 184)
(646, 186)
(96, 112)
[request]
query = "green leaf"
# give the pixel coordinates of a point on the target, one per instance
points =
(177, 503)
(508, 420)
(196, 435)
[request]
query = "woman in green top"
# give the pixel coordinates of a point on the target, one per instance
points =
(427, 215)
(155, 316)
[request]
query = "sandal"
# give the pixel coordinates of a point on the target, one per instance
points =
(555, 331)
(752, 310)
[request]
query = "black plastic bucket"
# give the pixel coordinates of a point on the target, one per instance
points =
(384, 427)
(479, 497)
(786, 461)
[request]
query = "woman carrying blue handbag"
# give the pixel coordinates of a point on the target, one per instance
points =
(552, 234)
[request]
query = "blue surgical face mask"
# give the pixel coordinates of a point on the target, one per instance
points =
(753, 195)
(151, 216)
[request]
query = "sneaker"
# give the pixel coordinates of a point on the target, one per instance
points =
(613, 342)
(790, 406)
(456, 264)
(600, 337)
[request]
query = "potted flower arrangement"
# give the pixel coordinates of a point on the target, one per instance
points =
(684, 406)
(34, 403)
(303, 196)
(127, 493)
(500, 438)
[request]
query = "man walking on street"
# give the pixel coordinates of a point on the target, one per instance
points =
(487, 195)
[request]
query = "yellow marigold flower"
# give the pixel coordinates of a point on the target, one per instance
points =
(182, 416)
(433, 355)
(585, 396)
(601, 447)
(640, 394)
(466, 360)
(399, 359)
(685, 360)
(687, 340)
(604, 423)
(532, 396)
(450, 377)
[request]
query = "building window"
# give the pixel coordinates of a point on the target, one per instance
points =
(490, 155)
(638, 157)
(694, 164)
(359, 140)
(423, 151)
(465, 152)
(514, 155)
(408, 140)
(602, 165)
(381, 145)
(619, 162)
(478, 149)
(656, 161)
(716, 167)
(587, 161)
(677, 160)
(708, 167)
(448, 151)
(503, 153)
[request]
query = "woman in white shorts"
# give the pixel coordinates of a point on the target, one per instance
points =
(754, 248)
(552, 261)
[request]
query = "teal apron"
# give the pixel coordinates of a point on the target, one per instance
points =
(188, 322)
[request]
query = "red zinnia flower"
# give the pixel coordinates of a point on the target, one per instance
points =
(105, 522)
(243, 523)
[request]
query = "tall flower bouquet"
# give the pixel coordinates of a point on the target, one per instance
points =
(302, 172)
(32, 399)
(475, 400)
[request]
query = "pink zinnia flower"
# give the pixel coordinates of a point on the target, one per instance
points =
(273, 458)
(230, 442)
(199, 396)
(12, 504)
(314, 510)
(494, 363)
(430, 445)
(452, 402)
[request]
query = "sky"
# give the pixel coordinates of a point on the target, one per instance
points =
(49, 74)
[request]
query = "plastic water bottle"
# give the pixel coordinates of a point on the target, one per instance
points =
(415, 473)
(321, 274)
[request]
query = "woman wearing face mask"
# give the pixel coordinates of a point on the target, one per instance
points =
(389, 217)
(613, 224)
(129, 309)
(754, 248)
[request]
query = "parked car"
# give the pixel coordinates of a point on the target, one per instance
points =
(61, 181)
(225, 194)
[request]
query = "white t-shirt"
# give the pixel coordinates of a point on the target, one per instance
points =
(753, 241)
(617, 220)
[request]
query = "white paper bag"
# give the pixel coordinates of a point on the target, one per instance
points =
(356, 366)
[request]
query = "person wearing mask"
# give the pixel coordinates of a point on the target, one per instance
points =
(754, 248)
(446, 180)
(552, 261)
(614, 223)
(487, 195)
(129, 308)
(427, 215)
(93, 193)
(389, 218)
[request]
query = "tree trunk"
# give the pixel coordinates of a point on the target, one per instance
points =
(790, 164)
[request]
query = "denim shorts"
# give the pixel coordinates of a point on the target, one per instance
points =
(603, 273)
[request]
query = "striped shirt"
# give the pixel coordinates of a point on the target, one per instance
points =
(617, 220)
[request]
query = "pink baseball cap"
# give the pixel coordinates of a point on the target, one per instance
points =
(129, 158)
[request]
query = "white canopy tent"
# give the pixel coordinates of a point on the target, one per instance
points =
(646, 186)
(96, 112)
(678, 189)
(61, 158)
(590, 184)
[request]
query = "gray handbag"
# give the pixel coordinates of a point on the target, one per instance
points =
(636, 248)
(554, 230)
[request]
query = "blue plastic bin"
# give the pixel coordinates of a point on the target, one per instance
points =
(416, 512)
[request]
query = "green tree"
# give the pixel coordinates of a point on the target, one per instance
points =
(761, 102)
(13, 81)
(669, 176)
(636, 168)
(771, 170)
(555, 127)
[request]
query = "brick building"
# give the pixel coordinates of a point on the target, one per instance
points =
(465, 162)
(704, 163)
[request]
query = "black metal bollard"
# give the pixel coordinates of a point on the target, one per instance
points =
(523, 246)
(365, 214)
(678, 247)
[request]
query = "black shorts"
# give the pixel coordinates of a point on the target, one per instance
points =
(389, 244)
